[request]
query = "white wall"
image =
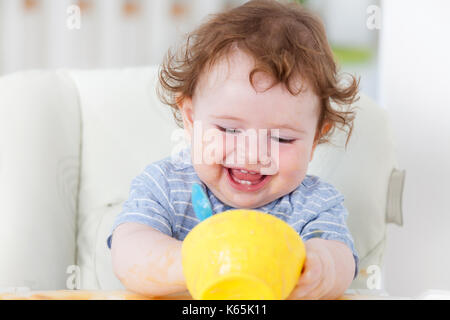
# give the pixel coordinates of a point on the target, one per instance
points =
(345, 22)
(346, 26)
(39, 37)
(415, 87)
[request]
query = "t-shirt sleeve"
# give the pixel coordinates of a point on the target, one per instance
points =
(330, 224)
(147, 203)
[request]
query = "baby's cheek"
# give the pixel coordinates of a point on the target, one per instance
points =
(211, 150)
(292, 158)
(228, 148)
(209, 173)
(293, 162)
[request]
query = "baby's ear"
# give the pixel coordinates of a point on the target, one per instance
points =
(186, 110)
(326, 128)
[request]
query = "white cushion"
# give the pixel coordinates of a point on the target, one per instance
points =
(361, 173)
(39, 166)
(124, 128)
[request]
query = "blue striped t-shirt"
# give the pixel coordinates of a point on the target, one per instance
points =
(160, 197)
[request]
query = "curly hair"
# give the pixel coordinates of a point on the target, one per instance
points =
(285, 40)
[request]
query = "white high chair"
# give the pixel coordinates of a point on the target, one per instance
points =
(71, 141)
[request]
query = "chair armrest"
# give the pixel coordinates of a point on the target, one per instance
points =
(39, 172)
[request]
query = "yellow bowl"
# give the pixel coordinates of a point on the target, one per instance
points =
(242, 254)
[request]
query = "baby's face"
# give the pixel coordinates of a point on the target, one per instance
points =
(226, 104)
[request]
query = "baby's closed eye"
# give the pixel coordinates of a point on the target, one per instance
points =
(283, 140)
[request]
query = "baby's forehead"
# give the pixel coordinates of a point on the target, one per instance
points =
(226, 89)
(233, 67)
(233, 70)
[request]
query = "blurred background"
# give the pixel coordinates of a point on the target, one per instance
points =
(118, 33)
(398, 48)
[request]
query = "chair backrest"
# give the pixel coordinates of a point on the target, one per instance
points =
(365, 173)
(39, 167)
(102, 127)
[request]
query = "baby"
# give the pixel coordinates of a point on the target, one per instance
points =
(264, 66)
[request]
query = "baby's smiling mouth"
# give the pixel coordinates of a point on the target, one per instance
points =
(246, 180)
(244, 176)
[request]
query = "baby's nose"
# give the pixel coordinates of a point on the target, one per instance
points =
(252, 150)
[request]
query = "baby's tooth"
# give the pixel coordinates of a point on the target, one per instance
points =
(244, 171)
(243, 181)
(252, 172)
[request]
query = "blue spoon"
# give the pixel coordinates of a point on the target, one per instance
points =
(200, 203)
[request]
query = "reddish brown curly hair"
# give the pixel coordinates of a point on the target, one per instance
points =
(285, 40)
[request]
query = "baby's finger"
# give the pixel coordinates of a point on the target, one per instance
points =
(312, 270)
(303, 291)
(314, 292)
(309, 279)
(319, 291)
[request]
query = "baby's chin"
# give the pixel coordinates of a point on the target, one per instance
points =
(243, 201)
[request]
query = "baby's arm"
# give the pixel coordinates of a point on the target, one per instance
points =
(328, 272)
(146, 260)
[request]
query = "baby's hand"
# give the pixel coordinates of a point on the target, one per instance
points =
(318, 277)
